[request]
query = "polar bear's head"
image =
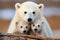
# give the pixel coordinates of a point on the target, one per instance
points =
(37, 26)
(29, 11)
(22, 27)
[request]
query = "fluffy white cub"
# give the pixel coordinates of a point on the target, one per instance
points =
(22, 27)
(37, 26)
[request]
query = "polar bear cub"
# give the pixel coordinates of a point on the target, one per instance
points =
(37, 26)
(22, 27)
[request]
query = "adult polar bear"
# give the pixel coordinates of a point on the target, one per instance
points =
(29, 12)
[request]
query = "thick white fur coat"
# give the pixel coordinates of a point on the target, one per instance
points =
(46, 29)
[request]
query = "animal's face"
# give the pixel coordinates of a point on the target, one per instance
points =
(37, 27)
(22, 28)
(29, 11)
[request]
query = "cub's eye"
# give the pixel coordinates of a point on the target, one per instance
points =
(21, 26)
(38, 25)
(25, 12)
(26, 26)
(33, 25)
(33, 12)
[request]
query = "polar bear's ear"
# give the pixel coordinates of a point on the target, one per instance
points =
(41, 6)
(17, 5)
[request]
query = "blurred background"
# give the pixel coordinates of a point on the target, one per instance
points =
(51, 12)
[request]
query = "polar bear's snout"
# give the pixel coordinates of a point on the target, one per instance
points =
(29, 19)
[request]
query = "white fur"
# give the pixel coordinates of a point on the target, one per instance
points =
(29, 7)
(25, 27)
(46, 29)
(35, 26)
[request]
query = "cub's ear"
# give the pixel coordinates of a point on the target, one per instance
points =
(41, 6)
(43, 22)
(16, 23)
(17, 5)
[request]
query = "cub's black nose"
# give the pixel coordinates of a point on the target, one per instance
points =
(24, 31)
(35, 30)
(29, 20)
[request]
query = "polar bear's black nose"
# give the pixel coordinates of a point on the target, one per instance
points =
(29, 19)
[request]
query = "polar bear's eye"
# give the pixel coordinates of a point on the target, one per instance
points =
(38, 25)
(33, 12)
(21, 26)
(25, 12)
